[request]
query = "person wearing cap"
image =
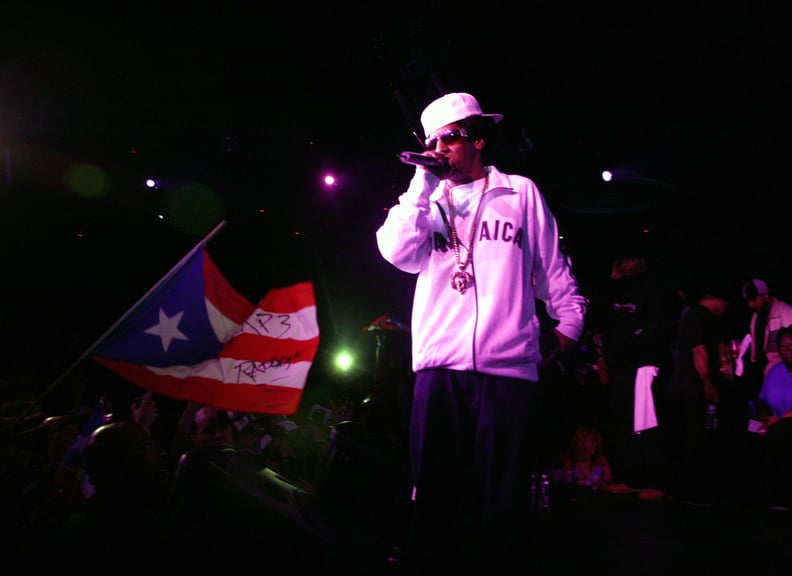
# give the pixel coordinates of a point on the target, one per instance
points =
(484, 246)
(757, 352)
(768, 316)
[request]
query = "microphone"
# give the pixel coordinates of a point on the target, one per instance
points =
(417, 159)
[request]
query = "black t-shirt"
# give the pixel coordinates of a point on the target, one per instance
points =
(699, 326)
(639, 321)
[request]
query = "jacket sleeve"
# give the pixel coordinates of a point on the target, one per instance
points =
(405, 238)
(554, 282)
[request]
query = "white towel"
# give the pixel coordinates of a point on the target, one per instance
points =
(739, 362)
(644, 415)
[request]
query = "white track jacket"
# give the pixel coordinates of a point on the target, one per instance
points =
(493, 327)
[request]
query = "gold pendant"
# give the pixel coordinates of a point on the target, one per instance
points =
(461, 281)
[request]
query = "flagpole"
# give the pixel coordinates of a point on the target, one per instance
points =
(205, 240)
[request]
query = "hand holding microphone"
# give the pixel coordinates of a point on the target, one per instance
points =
(437, 166)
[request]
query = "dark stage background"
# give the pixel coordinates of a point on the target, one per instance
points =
(238, 112)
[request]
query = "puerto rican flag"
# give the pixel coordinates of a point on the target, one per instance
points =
(195, 338)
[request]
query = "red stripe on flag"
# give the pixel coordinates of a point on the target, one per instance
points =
(252, 398)
(222, 294)
(263, 349)
(289, 299)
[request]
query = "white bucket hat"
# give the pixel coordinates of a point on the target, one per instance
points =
(452, 108)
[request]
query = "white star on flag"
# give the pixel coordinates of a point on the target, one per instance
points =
(168, 328)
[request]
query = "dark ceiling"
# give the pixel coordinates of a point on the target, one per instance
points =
(238, 110)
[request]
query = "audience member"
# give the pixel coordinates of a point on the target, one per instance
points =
(121, 520)
(226, 497)
(775, 411)
(692, 447)
(213, 447)
(768, 315)
(48, 491)
(143, 409)
(584, 462)
(636, 318)
(775, 397)
(585, 468)
(212, 427)
(386, 409)
(208, 505)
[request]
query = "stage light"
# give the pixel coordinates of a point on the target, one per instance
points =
(344, 360)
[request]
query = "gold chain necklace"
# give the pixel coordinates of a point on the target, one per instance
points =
(461, 280)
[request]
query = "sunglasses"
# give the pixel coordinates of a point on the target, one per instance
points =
(447, 137)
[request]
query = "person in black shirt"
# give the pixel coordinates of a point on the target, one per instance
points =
(697, 383)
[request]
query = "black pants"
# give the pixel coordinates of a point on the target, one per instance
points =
(638, 460)
(473, 444)
(778, 463)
